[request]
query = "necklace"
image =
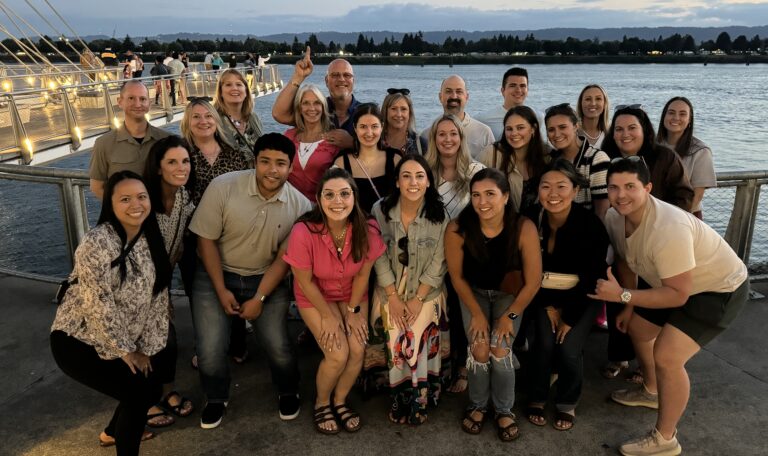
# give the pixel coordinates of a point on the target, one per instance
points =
(237, 123)
(590, 137)
(305, 149)
(339, 239)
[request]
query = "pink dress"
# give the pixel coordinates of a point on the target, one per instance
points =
(317, 253)
(305, 178)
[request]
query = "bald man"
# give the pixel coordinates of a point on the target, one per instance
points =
(340, 81)
(454, 97)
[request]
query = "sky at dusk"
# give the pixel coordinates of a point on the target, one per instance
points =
(264, 17)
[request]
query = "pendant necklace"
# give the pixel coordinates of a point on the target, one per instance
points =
(339, 239)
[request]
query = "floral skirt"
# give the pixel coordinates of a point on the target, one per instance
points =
(409, 363)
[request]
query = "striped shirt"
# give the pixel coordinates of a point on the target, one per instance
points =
(592, 164)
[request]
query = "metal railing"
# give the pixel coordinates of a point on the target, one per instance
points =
(65, 109)
(744, 226)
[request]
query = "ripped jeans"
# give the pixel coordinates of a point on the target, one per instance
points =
(495, 379)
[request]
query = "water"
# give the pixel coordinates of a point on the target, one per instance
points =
(730, 102)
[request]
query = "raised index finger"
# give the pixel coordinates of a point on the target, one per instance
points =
(306, 54)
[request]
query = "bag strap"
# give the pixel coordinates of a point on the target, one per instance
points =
(360, 164)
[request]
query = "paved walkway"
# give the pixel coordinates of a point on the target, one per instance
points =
(46, 413)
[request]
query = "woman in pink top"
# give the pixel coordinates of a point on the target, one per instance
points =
(331, 251)
(314, 154)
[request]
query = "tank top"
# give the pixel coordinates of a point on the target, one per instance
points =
(384, 183)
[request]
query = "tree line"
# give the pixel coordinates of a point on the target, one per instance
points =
(414, 43)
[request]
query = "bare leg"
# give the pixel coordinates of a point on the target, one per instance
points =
(643, 334)
(352, 369)
(673, 350)
(333, 363)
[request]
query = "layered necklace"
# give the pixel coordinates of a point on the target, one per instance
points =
(338, 240)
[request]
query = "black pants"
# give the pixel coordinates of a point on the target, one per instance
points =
(134, 392)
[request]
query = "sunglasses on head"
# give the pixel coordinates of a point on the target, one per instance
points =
(560, 106)
(628, 106)
(392, 91)
(402, 257)
(629, 158)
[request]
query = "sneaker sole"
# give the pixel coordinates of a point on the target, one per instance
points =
(211, 425)
(290, 417)
(673, 452)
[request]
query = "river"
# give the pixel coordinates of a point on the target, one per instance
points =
(730, 104)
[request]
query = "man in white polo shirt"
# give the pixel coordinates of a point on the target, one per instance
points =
(242, 223)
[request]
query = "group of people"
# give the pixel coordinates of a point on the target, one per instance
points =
(420, 262)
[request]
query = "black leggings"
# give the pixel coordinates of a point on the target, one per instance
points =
(135, 393)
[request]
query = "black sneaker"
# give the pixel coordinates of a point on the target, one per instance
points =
(290, 406)
(212, 415)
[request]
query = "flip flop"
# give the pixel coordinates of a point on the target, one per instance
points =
(108, 441)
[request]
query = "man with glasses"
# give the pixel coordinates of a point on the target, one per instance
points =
(454, 97)
(340, 80)
(514, 89)
(242, 223)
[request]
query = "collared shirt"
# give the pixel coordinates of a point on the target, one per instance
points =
(478, 134)
(117, 151)
(114, 316)
(313, 249)
(347, 125)
(671, 241)
(426, 254)
(247, 228)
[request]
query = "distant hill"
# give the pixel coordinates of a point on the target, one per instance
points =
(608, 34)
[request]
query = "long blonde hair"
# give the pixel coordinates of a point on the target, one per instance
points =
(325, 120)
(218, 99)
(186, 130)
(463, 158)
(603, 121)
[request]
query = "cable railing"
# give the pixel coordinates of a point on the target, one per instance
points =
(45, 116)
(733, 209)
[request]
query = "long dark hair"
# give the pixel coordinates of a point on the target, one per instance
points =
(649, 146)
(149, 228)
(433, 203)
(357, 217)
(152, 175)
(469, 223)
(362, 110)
(683, 146)
(536, 151)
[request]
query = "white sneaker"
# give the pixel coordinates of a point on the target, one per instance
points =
(652, 444)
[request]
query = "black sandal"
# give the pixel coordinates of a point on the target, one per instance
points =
(178, 409)
(476, 426)
(563, 417)
(324, 414)
(535, 411)
(344, 414)
(509, 432)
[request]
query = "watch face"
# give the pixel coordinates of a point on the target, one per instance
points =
(626, 296)
(512, 316)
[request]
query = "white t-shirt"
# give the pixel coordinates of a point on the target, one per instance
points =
(669, 242)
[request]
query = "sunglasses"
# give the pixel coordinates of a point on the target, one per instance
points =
(330, 195)
(628, 106)
(402, 257)
(558, 107)
(630, 158)
(392, 91)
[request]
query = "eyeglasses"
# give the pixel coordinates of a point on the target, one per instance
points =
(392, 91)
(630, 158)
(347, 76)
(330, 195)
(558, 107)
(628, 106)
(402, 257)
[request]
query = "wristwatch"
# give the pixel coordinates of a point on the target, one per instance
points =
(512, 316)
(353, 310)
(263, 298)
(626, 296)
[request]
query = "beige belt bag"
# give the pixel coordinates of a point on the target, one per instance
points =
(558, 281)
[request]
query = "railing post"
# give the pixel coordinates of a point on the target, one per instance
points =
(109, 110)
(69, 114)
(73, 211)
(20, 133)
(167, 105)
(204, 79)
(742, 222)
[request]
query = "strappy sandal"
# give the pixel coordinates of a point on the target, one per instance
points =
(160, 419)
(182, 409)
(538, 412)
(475, 426)
(324, 414)
(563, 417)
(509, 432)
(613, 368)
(459, 378)
(344, 414)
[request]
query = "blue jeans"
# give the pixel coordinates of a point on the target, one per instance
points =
(212, 330)
(495, 379)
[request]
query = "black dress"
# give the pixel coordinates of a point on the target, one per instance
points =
(384, 183)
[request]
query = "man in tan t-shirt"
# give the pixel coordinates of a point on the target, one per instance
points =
(692, 272)
(127, 147)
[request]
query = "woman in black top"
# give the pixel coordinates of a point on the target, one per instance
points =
(495, 265)
(573, 243)
(370, 164)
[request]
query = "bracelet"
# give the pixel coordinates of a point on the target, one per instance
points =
(421, 300)
(392, 294)
(295, 84)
